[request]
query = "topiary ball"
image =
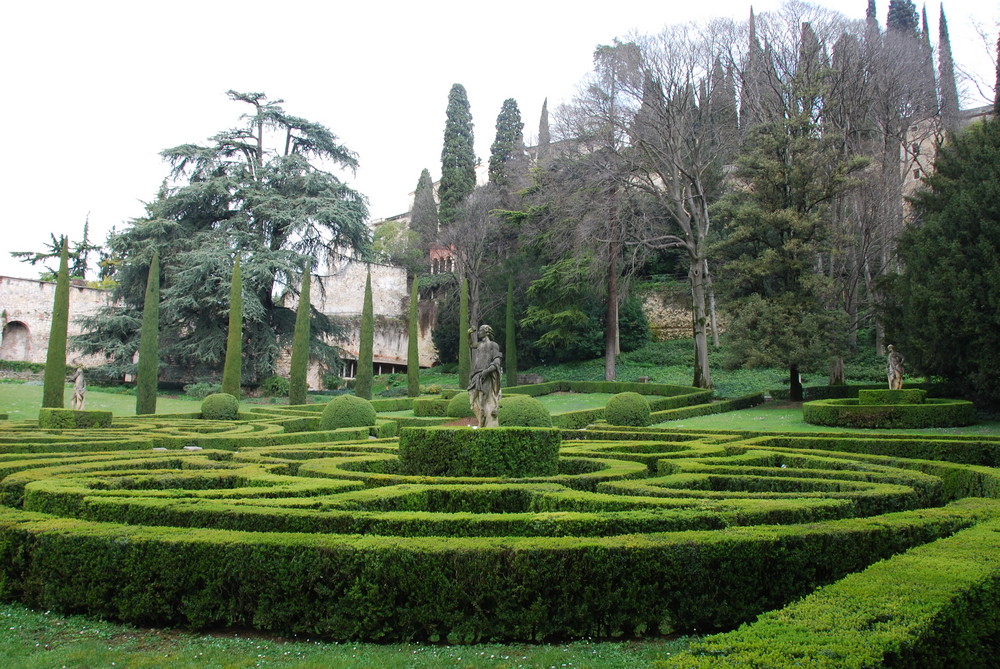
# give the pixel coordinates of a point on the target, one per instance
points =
(220, 406)
(459, 406)
(523, 411)
(630, 409)
(347, 411)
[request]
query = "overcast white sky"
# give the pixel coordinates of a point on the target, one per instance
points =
(93, 91)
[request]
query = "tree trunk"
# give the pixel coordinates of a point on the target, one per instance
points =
(794, 383)
(611, 323)
(711, 306)
(838, 377)
(702, 374)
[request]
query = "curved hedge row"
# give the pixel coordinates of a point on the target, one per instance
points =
(849, 413)
(636, 531)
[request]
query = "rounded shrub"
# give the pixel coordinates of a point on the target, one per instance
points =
(347, 411)
(459, 406)
(220, 406)
(274, 386)
(627, 409)
(523, 411)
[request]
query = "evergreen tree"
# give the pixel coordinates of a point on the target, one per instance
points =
(871, 13)
(424, 215)
(458, 157)
(148, 367)
(996, 89)
(944, 316)
(510, 344)
(903, 17)
(544, 138)
(364, 379)
(464, 357)
(55, 357)
(297, 385)
(413, 348)
(946, 75)
(507, 160)
(232, 371)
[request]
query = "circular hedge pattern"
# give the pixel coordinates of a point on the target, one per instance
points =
(273, 524)
(347, 411)
(849, 413)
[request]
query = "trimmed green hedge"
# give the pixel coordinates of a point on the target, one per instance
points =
(934, 606)
(628, 409)
(53, 419)
(523, 411)
(459, 406)
(905, 396)
(347, 411)
(431, 406)
(220, 406)
(735, 404)
(848, 413)
(841, 392)
(467, 451)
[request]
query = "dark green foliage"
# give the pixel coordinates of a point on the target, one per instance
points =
(464, 352)
(78, 255)
(849, 413)
(826, 392)
(365, 374)
(232, 371)
(69, 419)
(220, 406)
(446, 325)
(459, 406)
(508, 163)
(906, 396)
(903, 17)
(464, 451)
(148, 367)
(55, 356)
(299, 368)
(946, 74)
(413, 344)
(627, 409)
(523, 411)
(276, 203)
(944, 309)
(424, 215)
(347, 411)
(428, 406)
(458, 157)
(544, 137)
(277, 386)
(201, 390)
(510, 336)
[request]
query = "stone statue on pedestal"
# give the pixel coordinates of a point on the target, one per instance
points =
(484, 381)
(894, 369)
(79, 389)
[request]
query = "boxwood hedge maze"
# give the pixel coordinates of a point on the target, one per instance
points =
(817, 550)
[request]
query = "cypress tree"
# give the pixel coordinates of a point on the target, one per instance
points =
(510, 342)
(544, 138)
(412, 349)
(464, 359)
(424, 216)
(507, 151)
(232, 371)
(149, 342)
(300, 344)
(458, 157)
(55, 358)
(363, 380)
(946, 75)
(903, 17)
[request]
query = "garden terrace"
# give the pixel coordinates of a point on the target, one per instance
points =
(268, 523)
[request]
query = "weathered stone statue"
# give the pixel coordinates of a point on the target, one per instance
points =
(894, 369)
(79, 389)
(484, 382)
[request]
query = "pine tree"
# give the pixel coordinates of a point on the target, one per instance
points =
(297, 385)
(363, 381)
(232, 371)
(413, 348)
(55, 358)
(544, 138)
(507, 162)
(464, 359)
(149, 342)
(946, 75)
(903, 17)
(458, 157)
(424, 216)
(510, 343)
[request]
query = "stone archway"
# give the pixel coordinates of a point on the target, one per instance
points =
(16, 341)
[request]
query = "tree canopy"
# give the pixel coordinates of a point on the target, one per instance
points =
(458, 157)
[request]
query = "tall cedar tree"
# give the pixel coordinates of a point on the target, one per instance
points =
(262, 187)
(507, 159)
(232, 372)
(946, 77)
(55, 358)
(544, 137)
(424, 216)
(903, 17)
(464, 359)
(510, 344)
(364, 379)
(458, 157)
(413, 348)
(297, 385)
(944, 315)
(148, 367)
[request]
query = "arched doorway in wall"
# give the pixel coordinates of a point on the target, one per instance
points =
(16, 341)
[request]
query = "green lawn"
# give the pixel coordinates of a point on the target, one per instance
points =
(21, 401)
(42, 639)
(776, 416)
